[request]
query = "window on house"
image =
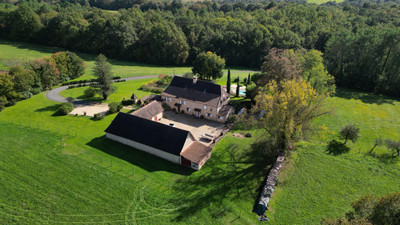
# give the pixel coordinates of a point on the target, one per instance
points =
(205, 107)
(180, 101)
(220, 117)
(209, 115)
(188, 109)
(184, 102)
(167, 99)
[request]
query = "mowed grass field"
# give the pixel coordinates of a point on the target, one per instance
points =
(12, 53)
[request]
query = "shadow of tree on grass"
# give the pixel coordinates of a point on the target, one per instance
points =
(336, 148)
(365, 97)
(230, 176)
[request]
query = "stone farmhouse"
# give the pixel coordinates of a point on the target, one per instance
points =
(198, 98)
(143, 131)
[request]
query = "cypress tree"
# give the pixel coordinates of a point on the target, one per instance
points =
(228, 82)
(102, 71)
(237, 87)
(248, 79)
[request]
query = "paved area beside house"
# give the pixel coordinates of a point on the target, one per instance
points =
(241, 89)
(90, 110)
(197, 127)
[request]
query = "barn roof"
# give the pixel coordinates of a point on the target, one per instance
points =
(196, 152)
(147, 132)
(201, 91)
(149, 111)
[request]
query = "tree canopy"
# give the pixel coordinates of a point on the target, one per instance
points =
(286, 110)
(208, 65)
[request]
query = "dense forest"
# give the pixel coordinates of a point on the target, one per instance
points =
(360, 41)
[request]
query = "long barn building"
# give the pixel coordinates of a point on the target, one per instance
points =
(170, 143)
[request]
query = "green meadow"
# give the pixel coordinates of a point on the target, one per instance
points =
(316, 184)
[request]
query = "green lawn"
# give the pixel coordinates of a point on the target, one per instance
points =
(124, 90)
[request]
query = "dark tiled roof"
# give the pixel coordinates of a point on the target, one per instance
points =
(225, 110)
(151, 97)
(149, 111)
(202, 91)
(196, 152)
(147, 132)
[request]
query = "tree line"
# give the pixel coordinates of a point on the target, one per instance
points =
(23, 81)
(238, 32)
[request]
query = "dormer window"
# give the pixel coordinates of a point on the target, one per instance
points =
(205, 107)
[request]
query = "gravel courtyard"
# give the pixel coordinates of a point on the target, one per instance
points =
(196, 126)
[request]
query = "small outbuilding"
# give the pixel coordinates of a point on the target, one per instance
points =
(134, 98)
(152, 111)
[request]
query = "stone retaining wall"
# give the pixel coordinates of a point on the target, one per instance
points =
(268, 188)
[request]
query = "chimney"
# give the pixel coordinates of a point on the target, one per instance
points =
(194, 80)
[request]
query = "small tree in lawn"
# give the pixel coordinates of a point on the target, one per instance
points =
(102, 71)
(248, 79)
(228, 82)
(349, 132)
(394, 146)
(378, 142)
(237, 87)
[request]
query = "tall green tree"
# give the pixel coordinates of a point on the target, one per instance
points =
(69, 64)
(102, 71)
(208, 65)
(24, 23)
(237, 87)
(228, 82)
(314, 72)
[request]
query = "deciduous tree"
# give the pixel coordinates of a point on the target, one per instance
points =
(208, 65)
(280, 65)
(349, 132)
(286, 110)
(314, 72)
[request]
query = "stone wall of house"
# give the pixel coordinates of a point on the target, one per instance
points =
(192, 105)
(268, 188)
